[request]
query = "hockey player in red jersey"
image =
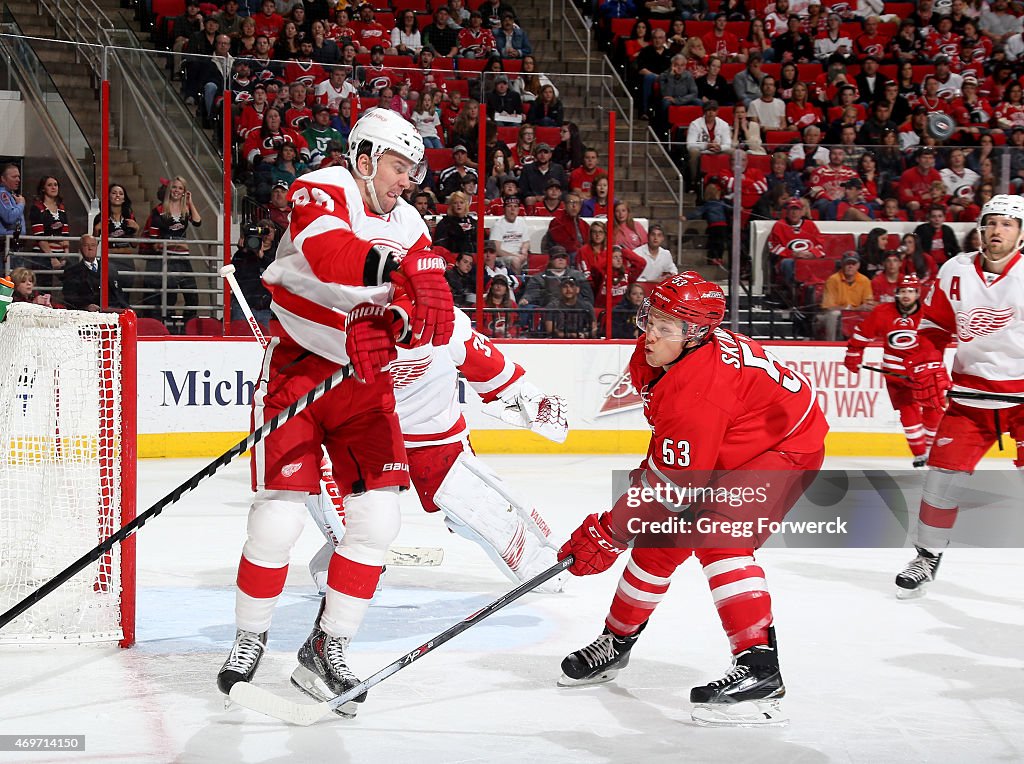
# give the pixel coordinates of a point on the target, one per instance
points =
(715, 400)
(354, 274)
(446, 475)
(895, 323)
(978, 299)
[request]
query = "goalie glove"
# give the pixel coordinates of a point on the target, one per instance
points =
(523, 405)
(370, 339)
(421, 277)
(593, 547)
(854, 358)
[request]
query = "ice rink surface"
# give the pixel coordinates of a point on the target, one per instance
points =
(869, 678)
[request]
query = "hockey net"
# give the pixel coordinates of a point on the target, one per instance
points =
(67, 471)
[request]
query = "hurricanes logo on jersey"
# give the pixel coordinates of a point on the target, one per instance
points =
(901, 339)
(981, 322)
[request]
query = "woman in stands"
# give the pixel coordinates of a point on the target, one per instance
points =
(758, 40)
(325, 50)
(427, 121)
(916, 262)
(676, 36)
(288, 166)
(121, 223)
(639, 38)
(800, 112)
(624, 314)
(465, 130)
(287, 45)
(1009, 113)
(24, 282)
(712, 86)
(499, 309)
(628, 232)
(569, 151)
(908, 86)
(788, 77)
(244, 45)
(499, 165)
(905, 47)
(522, 152)
(597, 205)
(169, 222)
(405, 37)
(341, 30)
(456, 231)
(47, 217)
(698, 63)
(302, 21)
(867, 170)
(594, 251)
(547, 110)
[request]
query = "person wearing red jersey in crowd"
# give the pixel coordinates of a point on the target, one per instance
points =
(251, 117)
(723, 43)
(268, 21)
(885, 282)
(626, 269)
(754, 414)
(935, 237)
(567, 229)
(261, 146)
(916, 182)
(582, 178)
(297, 115)
(971, 112)
(992, 87)
(354, 275)
(826, 183)
(978, 299)
(942, 41)
(369, 32)
(341, 30)
(794, 238)
(375, 76)
(895, 323)
(870, 42)
(475, 41)
(975, 51)
(800, 112)
(551, 203)
(853, 205)
(776, 18)
(596, 249)
(303, 69)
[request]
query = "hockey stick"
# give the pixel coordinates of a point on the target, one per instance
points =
(968, 396)
(412, 556)
(886, 373)
(240, 448)
(265, 702)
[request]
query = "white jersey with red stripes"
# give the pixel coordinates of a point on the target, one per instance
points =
(426, 389)
(985, 313)
(319, 271)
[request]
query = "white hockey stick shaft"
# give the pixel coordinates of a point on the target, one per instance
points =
(228, 273)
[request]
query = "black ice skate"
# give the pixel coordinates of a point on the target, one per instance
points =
(918, 573)
(920, 461)
(323, 672)
(748, 695)
(599, 661)
(243, 660)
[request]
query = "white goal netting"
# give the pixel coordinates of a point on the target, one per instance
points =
(61, 474)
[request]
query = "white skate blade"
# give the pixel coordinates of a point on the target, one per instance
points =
(749, 713)
(910, 594)
(604, 676)
(307, 682)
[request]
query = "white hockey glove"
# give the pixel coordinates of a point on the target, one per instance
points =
(523, 405)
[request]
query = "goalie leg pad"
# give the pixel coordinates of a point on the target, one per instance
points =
(476, 509)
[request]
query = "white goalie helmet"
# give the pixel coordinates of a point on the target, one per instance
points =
(1009, 205)
(386, 130)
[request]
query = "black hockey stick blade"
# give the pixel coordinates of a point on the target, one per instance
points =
(883, 371)
(304, 714)
(128, 529)
(970, 396)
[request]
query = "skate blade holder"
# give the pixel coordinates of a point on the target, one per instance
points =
(910, 594)
(748, 713)
(602, 678)
(305, 681)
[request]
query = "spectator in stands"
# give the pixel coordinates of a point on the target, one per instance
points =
(82, 280)
(769, 111)
(547, 110)
(551, 203)
(677, 88)
(537, 175)
(493, 12)
(891, 212)
(717, 214)
(279, 209)
(526, 144)
(529, 82)
(907, 46)
(772, 203)
(319, 136)
(899, 107)
(709, 135)
(848, 142)
(713, 86)
(440, 37)
(570, 316)
(650, 63)
(245, 43)
(606, 12)
(494, 267)
(250, 262)
(847, 289)
(476, 40)
(121, 223)
(25, 288)
(286, 46)
(870, 42)
(544, 288)
(261, 146)
(228, 20)
(794, 238)
(504, 106)
(874, 129)
(456, 231)
(405, 36)
(287, 167)
(567, 229)
(659, 262)
(510, 39)
(781, 173)
(826, 182)
(184, 26)
(747, 84)
(696, 57)
(624, 314)
(629, 233)
(206, 76)
(935, 238)
(915, 261)
(884, 283)
(800, 112)
(325, 50)
(268, 21)
(833, 42)
(598, 205)
(501, 171)
(569, 151)
(867, 171)
(582, 178)
(809, 154)
(957, 174)
(499, 308)
(723, 43)
(427, 121)
(915, 183)
(794, 44)
(999, 22)
(511, 236)
(757, 40)
(169, 222)
(869, 83)
(48, 218)
(450, 179)
(594, 251)
(853, 205)
(461, 279)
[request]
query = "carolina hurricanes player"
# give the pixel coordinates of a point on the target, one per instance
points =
(978, 298)
(475, 502)
(895, 323)
(715, 400)
(353, 275)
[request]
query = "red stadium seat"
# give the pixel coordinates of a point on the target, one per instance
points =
(424, 20)
(716, 164)
(682, 116)
(239, 328)
(150, 327)
(204, 327)
(814, 271)
(439, 159)
(699, 28)
(762, 162)
(549, 135)
(420, 6)
(470, 68)
(508, 135)
(536, 263)
(461, 85)
(836, 244)
(774, 138)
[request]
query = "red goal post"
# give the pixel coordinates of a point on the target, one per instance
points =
(67, 471)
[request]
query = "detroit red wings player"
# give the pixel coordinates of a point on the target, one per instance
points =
(715, 400)
(354, 274)
(895, 323)
(978, 299)
(447, 476)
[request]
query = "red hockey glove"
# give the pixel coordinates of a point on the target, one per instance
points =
(930, 383)
(421, 276)
(370, 339)
(853, 360)
(593, 547)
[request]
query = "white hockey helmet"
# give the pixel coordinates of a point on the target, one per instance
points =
(1009, 205)
(386, 130)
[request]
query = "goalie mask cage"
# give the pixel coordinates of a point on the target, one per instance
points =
(67, 471)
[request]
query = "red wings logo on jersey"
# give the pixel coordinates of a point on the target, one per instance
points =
(404, 373)
(981, 322)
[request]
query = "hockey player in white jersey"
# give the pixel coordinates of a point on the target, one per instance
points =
(978, 298)
(447, 476)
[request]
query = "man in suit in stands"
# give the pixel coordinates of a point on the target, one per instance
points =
(82, 280)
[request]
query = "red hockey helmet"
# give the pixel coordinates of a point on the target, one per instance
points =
(688, 297)
(909, 281)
